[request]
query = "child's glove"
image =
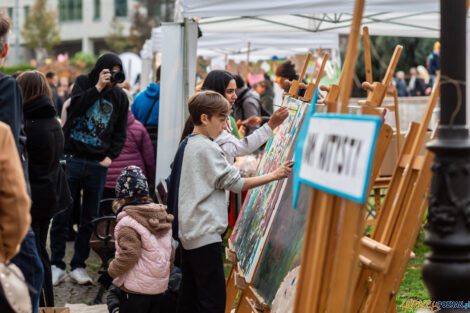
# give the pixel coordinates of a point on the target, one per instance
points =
(105, 279)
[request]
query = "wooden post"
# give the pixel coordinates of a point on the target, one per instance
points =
(312, 87)
(367, 58)
(397, 120)
(351, 56)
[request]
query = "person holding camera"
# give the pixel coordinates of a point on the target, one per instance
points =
(95, 133)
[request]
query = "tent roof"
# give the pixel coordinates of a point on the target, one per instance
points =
(410, 24)
(417, 18)
(214, 8)
(262, 45)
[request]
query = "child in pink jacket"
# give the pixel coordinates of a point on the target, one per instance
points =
(144, 251)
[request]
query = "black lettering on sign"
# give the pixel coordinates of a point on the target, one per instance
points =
(310, 148)
(338, 155)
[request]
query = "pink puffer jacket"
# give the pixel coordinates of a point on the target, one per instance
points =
(151, 273)
(137, 150)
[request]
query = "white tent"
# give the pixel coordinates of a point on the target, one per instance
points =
(418, 18)
(263, 45)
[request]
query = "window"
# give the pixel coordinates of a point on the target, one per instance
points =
(70, 10)
(120, 8)
(97, 12)
(26, 11)
(10, 13)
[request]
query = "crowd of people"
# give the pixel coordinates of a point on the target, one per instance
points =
(421, 79)
(63, 151)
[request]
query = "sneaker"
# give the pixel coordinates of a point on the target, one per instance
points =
(58, 275)
(80, 276)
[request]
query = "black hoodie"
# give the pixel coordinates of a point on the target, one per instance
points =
(96, 124)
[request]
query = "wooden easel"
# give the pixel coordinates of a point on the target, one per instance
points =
(375, 95)
(385, 255)
(334, 225)
(236, 286)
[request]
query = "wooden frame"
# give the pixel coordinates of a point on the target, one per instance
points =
(399, 221)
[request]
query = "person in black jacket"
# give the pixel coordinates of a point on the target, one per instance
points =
(247, 104)
(95, 133)
(53, 80)
(45, 146)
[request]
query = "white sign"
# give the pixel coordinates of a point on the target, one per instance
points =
(337, 154)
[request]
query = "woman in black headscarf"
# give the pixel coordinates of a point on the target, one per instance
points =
(224, 83)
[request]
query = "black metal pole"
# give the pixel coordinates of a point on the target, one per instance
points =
(446, 272)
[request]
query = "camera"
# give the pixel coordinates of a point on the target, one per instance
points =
(117, 76)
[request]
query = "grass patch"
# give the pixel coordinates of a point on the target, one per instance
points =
(412, 287)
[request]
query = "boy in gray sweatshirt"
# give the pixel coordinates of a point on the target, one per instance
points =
(196, 196)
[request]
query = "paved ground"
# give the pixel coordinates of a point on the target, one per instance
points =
(69, 292)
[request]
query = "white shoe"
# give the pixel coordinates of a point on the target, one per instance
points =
(58, 275)
(80, 276)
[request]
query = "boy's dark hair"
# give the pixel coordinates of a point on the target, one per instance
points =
(239, 81)
(207, 102)
(33, 85)
(50, 74)
(157, 74)
(4, 29)
(286, 70)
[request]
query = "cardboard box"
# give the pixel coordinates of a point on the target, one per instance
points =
(54, 310)
(391, 157)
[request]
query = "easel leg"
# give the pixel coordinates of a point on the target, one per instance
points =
(345, 266)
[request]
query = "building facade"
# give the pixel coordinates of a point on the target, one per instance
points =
(83, 24)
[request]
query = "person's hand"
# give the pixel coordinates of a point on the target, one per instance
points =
(278, 117)
(103, 80)
(242, 131)
(252, 121)
(284, 170)
(105, 279)
(106, 162)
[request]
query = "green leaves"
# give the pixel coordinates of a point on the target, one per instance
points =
(41, 31)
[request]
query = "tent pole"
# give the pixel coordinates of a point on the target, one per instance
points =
(185, 66)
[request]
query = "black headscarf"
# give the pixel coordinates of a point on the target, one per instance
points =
(106, 61)
(217, 80)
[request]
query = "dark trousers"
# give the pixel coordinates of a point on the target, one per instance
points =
(137, 303)
(203, 286)
(90, 176)
(30, 264)
(40, 227)
(107, 207)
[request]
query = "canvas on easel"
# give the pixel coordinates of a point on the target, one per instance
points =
(254, 219)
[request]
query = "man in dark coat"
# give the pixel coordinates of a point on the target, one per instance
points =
(53, 80)
(95, 133)
(246, 105)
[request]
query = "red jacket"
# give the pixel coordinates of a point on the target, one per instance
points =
(138, 150)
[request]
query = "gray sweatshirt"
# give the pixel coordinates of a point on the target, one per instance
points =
(202, 206)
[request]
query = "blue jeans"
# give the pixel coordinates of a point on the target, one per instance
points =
(30, 264)
(90, 176)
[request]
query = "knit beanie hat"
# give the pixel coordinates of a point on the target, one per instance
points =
(286, 70)
(131, 183)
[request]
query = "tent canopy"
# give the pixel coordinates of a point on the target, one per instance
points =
(215, 8)
(418, 18)
(262, 45)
